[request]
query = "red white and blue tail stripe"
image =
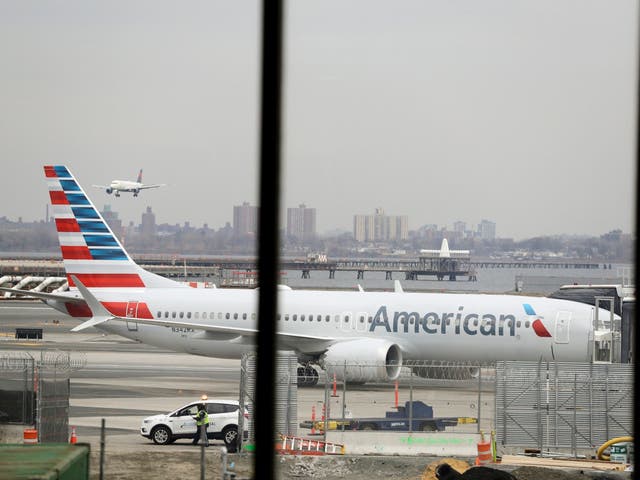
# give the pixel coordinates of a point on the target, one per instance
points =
(90, 250)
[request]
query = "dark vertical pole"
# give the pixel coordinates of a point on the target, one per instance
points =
(636, 370)
(102, 435)
(270, 117)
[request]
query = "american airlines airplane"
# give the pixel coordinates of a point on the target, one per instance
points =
(117, 186)
(109, 291)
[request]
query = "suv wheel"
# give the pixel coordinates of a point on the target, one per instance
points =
(230, 437)
(161, 435)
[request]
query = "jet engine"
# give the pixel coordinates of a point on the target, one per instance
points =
(363, 360)
(109, 191)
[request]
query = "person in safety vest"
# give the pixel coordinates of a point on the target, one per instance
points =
(202, 423)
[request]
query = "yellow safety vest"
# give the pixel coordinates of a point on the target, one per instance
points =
(202, 418)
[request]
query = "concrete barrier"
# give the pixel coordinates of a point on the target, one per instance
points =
(11, 433)
(405, 443)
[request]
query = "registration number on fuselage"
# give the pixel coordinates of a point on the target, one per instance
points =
(182, 330)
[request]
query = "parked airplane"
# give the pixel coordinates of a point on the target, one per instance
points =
(361, 336)
(117, 186)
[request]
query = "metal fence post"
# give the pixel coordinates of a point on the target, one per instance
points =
(202, 462)
(102, 435)
(479, 409)
(606, 401)
(411, 401)
(574, 447)
(539, 405)
(591, 403)
(344, 402)
(326, 411)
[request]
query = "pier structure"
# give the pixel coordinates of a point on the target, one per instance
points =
(429, 264)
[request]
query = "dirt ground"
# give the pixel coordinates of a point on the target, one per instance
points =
(187, 465)
(125, 466)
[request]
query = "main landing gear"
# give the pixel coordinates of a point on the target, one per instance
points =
(307, 376)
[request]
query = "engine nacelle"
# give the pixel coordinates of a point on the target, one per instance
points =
(363, 360)
(109, 191)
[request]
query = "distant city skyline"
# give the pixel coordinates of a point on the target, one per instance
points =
(523, 113)
(147, 236)
(244, 219)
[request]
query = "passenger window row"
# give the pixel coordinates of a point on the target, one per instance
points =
(286, 317)
(205, 315)
(309, 318)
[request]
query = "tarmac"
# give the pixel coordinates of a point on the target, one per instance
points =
(122, 382)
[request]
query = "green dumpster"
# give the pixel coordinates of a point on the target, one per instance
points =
(45, 461)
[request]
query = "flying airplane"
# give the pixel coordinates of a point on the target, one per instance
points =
(339, 332)
(118, 186)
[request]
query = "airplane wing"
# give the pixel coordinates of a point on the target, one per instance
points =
(44, 295)
(101, 186)
(157, 185)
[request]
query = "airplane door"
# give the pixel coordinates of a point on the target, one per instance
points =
(132, 312)
(563, 324)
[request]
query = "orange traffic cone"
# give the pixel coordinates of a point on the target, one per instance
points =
(73, 438)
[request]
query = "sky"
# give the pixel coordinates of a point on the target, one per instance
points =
(519, 112)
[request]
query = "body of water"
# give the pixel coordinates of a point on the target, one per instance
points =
(540, 281)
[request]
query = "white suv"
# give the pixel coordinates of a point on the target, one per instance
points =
(223, 423)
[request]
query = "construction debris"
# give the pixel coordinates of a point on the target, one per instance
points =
(563, 463)
(430, 472)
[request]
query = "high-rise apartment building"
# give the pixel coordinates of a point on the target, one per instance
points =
(380, 227)
(459, 230)
(245, 220)
(148, 223)
(301, 223)
(111, 217)
(487, 230)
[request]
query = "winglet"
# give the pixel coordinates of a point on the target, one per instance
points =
(100, 314)
(397, 287)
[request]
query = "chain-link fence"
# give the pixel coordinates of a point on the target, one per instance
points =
(35, 392)
(421, 397)
(563, 406)
(17, 389)
(424, 396)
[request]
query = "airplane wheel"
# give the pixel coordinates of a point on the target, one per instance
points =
(302, 377)
(312, 376)
(307, 376)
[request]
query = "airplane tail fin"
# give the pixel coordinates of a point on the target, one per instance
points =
(90, 250)
(139, 176)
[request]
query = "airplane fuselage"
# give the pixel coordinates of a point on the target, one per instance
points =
(424, 326)
(125, 185)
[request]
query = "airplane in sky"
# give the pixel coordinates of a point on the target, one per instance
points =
(361, 336)
(117, 186)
